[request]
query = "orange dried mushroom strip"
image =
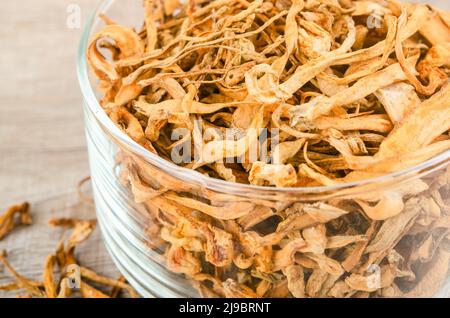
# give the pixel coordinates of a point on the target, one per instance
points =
(33, 288)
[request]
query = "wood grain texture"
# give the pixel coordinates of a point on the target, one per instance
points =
(42, 143)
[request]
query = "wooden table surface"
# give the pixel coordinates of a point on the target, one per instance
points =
(42, 143)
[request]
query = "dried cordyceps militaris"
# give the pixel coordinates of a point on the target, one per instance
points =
(8, 219)
(64, 284)
(356, 89)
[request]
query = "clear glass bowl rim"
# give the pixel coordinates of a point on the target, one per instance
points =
(93, 105)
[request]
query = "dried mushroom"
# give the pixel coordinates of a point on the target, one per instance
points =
(8, 221)
(63, 277)
(298, 94)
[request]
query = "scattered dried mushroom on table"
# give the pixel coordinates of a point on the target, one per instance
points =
(8, 221)
(357, 89)
(66, 283)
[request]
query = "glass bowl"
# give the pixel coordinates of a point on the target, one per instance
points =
(132, 226)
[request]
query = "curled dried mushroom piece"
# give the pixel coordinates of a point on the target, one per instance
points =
(354, 90)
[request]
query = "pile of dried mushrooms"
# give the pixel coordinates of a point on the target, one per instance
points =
(355, 89)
